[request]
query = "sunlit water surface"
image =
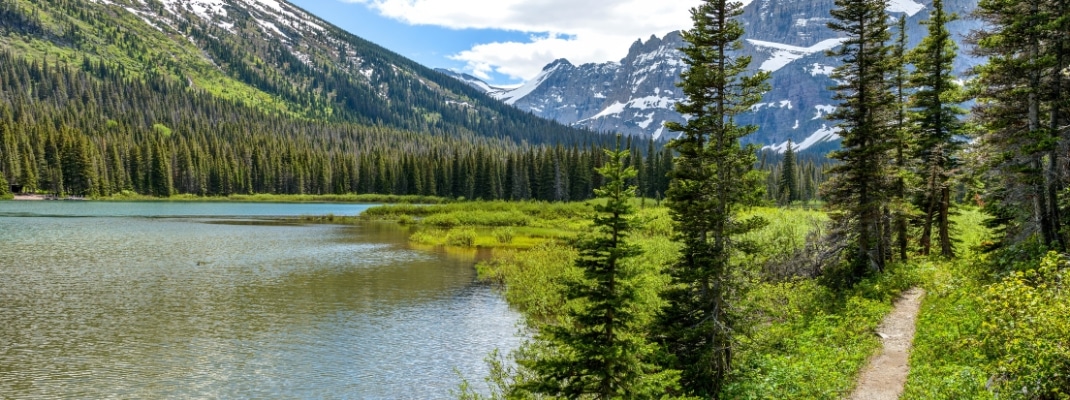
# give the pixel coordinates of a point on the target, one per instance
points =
(232, 300)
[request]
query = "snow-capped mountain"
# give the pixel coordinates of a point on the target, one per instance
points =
(269, 55)
(788, 38)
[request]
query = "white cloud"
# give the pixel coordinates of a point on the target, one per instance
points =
(582, 31)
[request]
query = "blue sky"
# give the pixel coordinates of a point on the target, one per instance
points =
(504, 41)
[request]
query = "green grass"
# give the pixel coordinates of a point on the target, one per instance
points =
(983, 334)
(803, 339)
(284, 198)
(808, 341)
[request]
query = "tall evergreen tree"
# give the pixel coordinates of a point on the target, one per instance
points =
(711, 179)
(936, 121)
(788, 185)
(601, 351)
(903, 140)
(859, 192)
(1023, 105)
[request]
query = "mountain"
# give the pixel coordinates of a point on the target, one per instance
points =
(788, 38)
(224, 97)
(265, 54)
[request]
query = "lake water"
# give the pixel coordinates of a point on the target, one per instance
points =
(233, 300)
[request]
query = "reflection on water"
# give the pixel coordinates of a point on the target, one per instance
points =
(218, 300)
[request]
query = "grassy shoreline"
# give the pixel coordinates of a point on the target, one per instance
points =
(260, 198)
(804, 340)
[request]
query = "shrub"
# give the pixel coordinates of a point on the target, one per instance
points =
(1026, 331)
(461, 237)
(504, 235)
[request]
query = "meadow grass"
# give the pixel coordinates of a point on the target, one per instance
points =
(801, 339)
(986, 331)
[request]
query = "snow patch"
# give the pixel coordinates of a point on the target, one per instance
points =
(781, 104)
(647, 122)
(783, 54)
(661, 129)
(269, 26)
(796, 125)
(141, 15)
(818, 69)
(825, 134)
(647, 102)
(272, 4)
(599, 95)
(614, 109)
(510, 97)
(823, 111)
(909, 7)
(635, 86)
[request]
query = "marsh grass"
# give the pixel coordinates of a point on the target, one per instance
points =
(283, 198)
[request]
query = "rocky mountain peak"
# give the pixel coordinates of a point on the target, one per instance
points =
(788, 38)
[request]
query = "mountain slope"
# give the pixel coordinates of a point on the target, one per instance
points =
(786, 37)
(267, 54)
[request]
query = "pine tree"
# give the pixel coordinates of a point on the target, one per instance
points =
(787, 186)
(859, 191)
(711, 178)
(936, 121)
(900, 208)
(601, 351)
(1023, 106)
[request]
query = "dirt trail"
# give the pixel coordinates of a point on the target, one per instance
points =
(886, 374)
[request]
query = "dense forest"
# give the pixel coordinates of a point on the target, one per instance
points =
(86, 130)
(64, 131)
(97, 100)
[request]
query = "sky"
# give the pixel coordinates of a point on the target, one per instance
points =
(505, 42)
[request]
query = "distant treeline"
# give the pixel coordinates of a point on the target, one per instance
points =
(86, 130)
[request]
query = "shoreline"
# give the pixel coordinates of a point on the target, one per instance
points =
(253, 198)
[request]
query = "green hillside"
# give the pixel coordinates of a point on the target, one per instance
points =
(150, 97)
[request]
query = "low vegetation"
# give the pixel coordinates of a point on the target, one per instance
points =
(802, 339)
(990, 329)
(981, 333)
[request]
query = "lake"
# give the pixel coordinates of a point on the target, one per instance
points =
(233, 300)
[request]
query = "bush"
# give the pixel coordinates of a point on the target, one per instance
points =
(461, 237)
(4, 186)
(533, 279)
(1026, 331)
(504, 235)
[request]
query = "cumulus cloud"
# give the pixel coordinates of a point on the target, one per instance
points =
(581, 31)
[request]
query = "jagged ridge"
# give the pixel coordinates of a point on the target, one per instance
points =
(788, 38)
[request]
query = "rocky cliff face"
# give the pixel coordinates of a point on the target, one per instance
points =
(786, 37)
